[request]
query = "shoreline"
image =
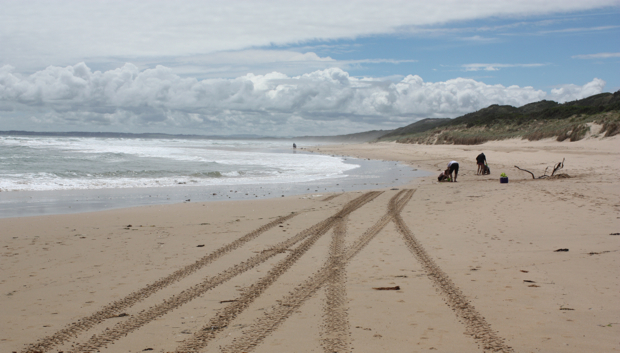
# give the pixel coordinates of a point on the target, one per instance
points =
(475, 262)
(75, 201)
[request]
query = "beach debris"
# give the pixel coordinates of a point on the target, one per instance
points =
(228, 301)
(533, 285)
(560, 176)
(119, 315)
(614, 233)
(200, 245)
(528, 281)
(598, 253)
(563, 308)
(555, 169)
(188, 200)
(524, 271)
(387, 288)
(128, 226)
(147, 349)
(212, 328)
(561, 250)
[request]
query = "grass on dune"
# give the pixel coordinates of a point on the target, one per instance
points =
(573, 128)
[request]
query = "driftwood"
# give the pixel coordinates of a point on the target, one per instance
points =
(558, 166)
(387, 288)
(555, 169)
(525, 170)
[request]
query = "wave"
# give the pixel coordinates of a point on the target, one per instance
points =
(44, 163)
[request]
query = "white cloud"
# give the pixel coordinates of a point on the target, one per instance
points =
(36, 33)
(580, 29)
(496, 67)
(572, 92)
(479, 39)
(321, 102)
(597, 56)
(238, 63)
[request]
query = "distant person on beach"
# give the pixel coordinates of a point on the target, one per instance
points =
(453, 167)
(444, 176)
(482, 161)
(294, 146)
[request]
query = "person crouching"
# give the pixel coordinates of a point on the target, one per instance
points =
(443, 177)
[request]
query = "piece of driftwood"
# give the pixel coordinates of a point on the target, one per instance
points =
(558, 166)
(387, 288)
(555, 169)
(525, 170)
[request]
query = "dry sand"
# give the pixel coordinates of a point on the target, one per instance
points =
(474, 261)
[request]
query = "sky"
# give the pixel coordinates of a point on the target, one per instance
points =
(293, 68)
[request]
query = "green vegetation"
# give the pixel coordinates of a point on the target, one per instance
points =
(535, 121)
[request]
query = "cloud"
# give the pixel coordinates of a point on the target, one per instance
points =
(258, 61)
(572, 92)
(501, 29)
(496, 67)
(479, 39)
(580, 29)
(38, 32)
(597, 56)
(322, 102)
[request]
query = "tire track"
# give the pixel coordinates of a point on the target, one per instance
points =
(226, 315)
(278, 313)
(72, 330)
(336, 329)
(331, 197)
(475, 323)
(134, 322)
(395, 206)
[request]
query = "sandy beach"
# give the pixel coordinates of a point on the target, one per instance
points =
(471, 266)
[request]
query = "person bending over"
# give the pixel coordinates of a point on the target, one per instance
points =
(481, 160)
(453, 167)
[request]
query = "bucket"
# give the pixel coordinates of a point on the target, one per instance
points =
(503, 180)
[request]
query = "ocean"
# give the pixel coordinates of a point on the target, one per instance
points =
(47, 175)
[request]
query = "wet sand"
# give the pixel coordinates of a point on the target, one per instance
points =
(470, 266)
